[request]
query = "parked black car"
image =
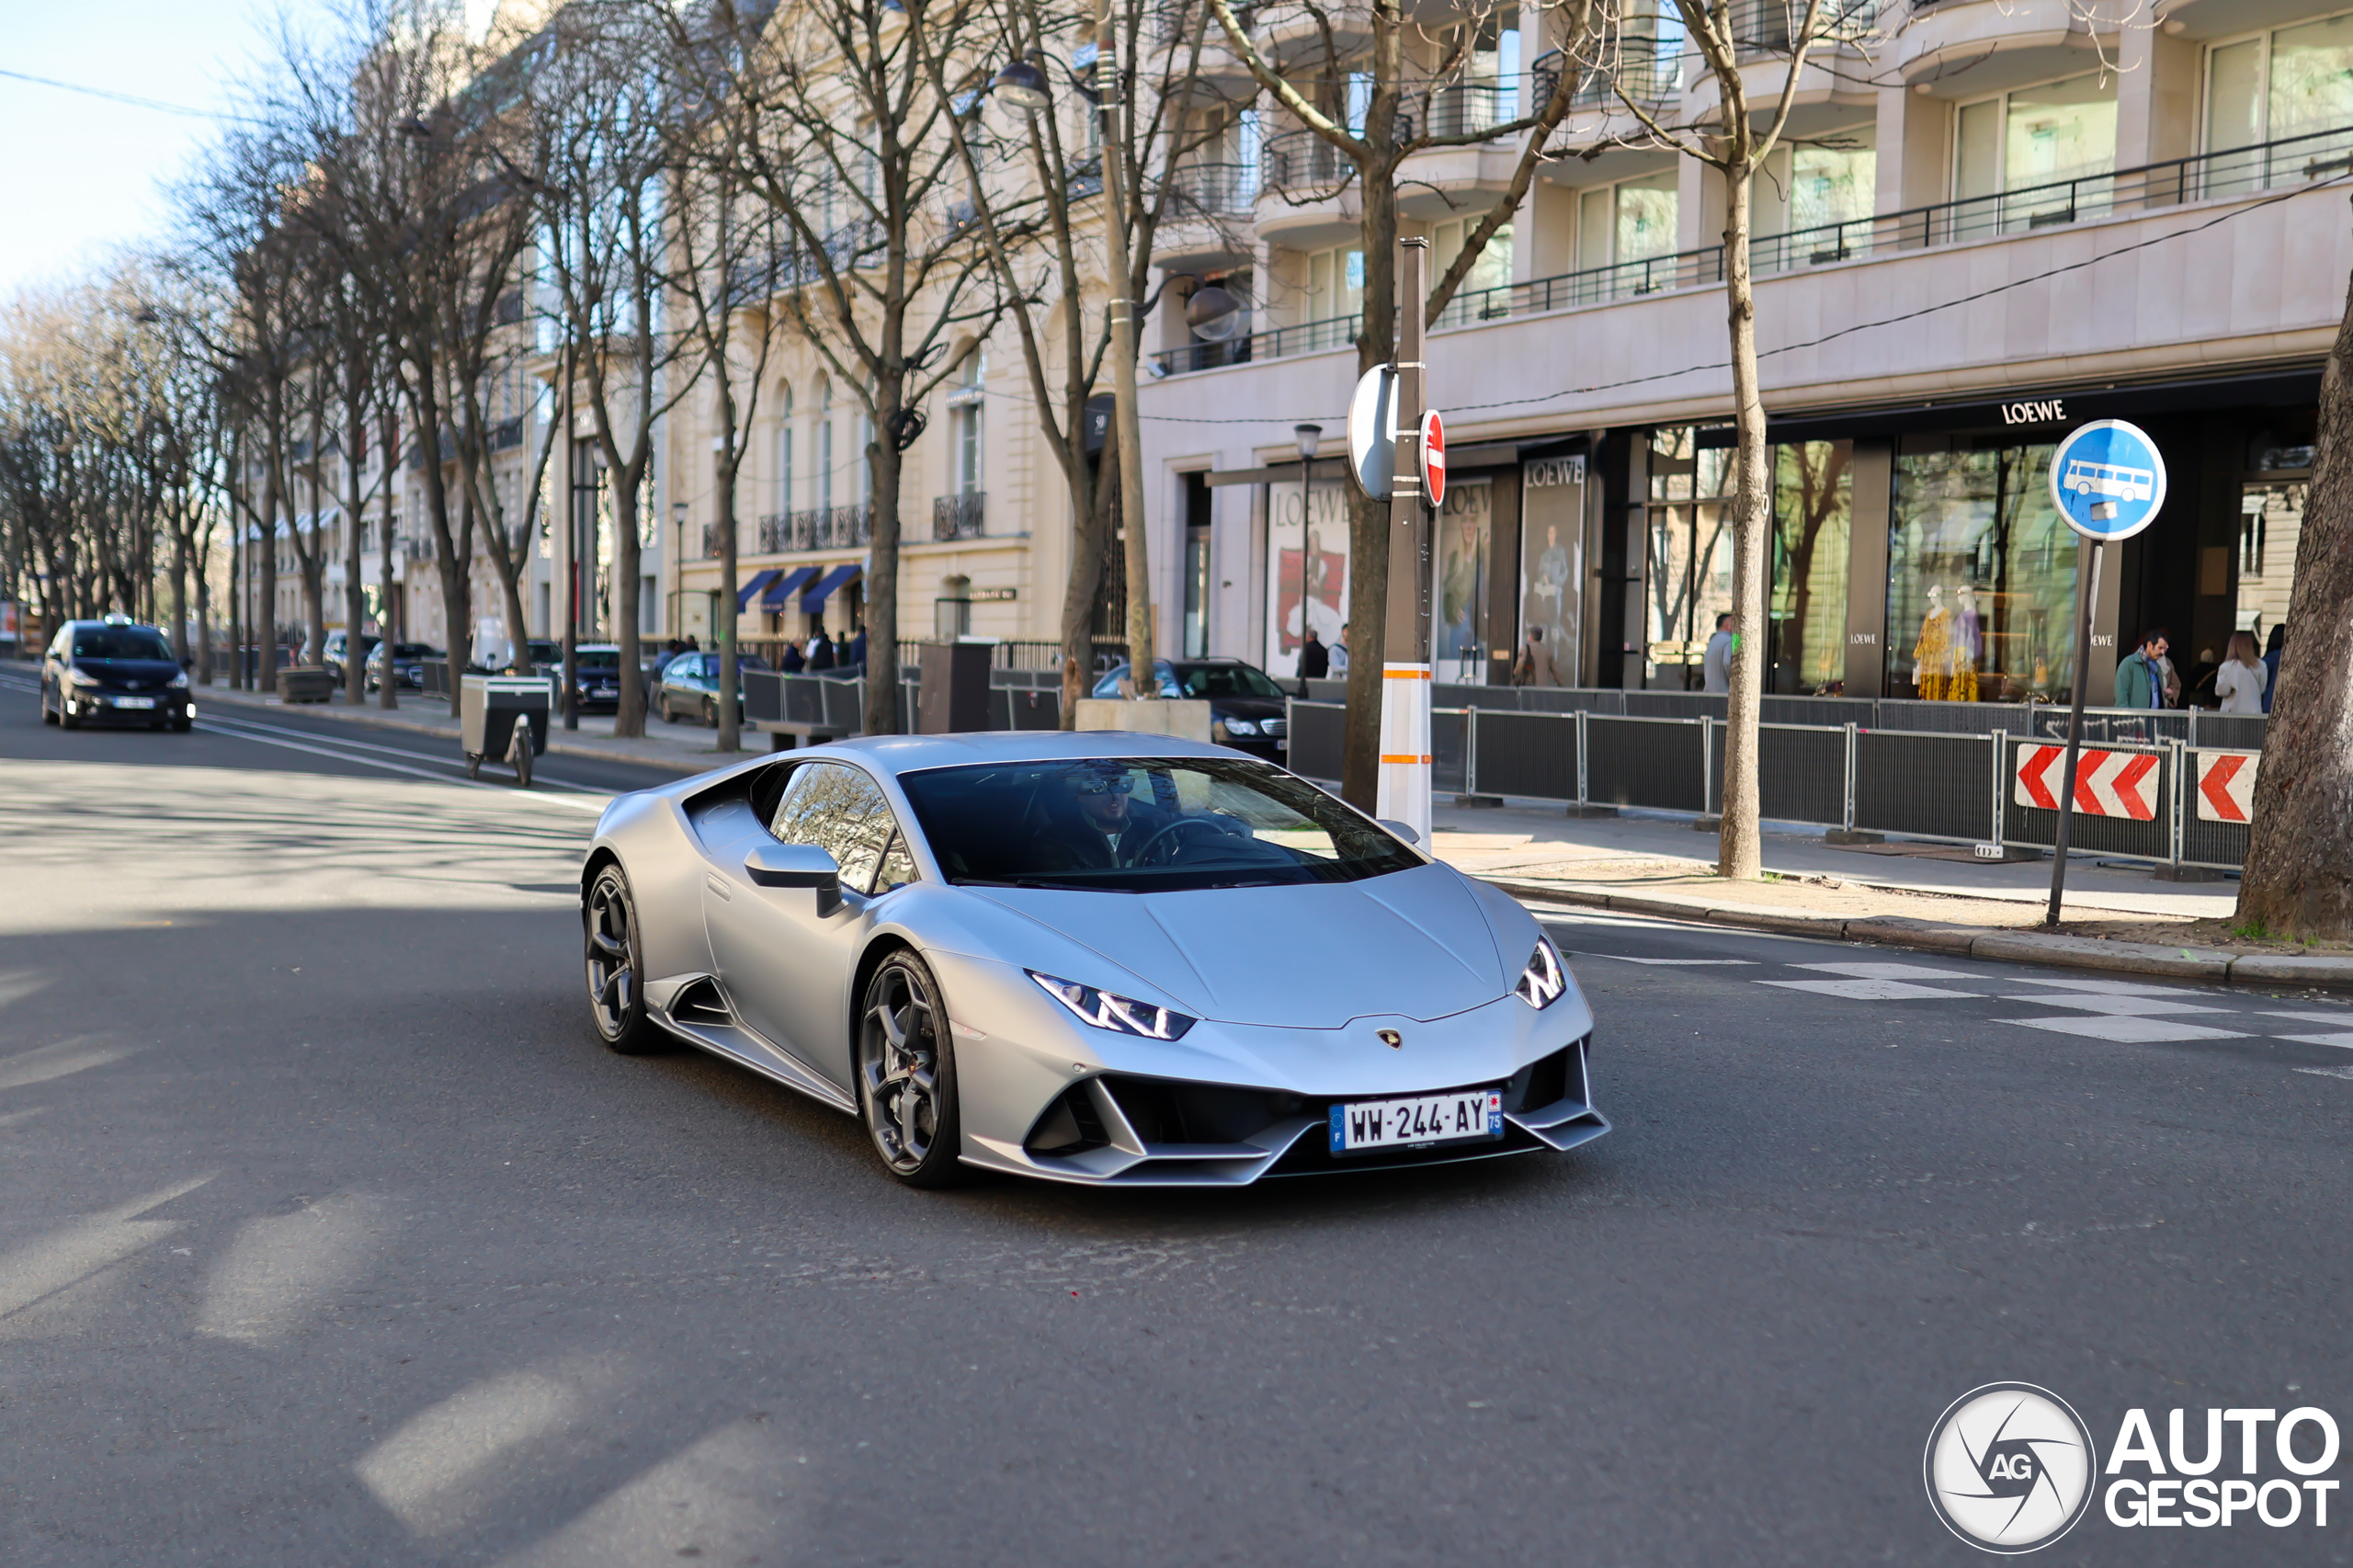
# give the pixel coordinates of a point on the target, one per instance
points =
(113, 671)
(332, 654)
(408, 664)
(1246, 707)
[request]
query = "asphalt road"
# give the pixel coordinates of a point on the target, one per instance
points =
(332, 1236)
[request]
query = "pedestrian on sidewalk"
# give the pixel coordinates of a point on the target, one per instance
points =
(2279, 639)
(1339, 656)
(821, 653)
(2141, 678)
(858, 648)
(2242, 682)
(1314, 659)
(1535, 667)
(1715, 665)
(793, 661)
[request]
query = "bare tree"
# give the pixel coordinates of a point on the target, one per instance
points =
(857, 161)
(1734, 135)
(1407, 90)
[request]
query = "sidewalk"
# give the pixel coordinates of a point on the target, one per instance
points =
(1904, 893)
(679, 747)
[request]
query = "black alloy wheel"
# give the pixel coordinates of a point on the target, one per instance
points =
(906, 1075)
(616, 991)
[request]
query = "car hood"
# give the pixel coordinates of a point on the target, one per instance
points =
(1247, 706)
(1414, 944)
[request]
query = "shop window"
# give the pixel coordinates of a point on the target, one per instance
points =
(1813, 511)
(1981, 592)
(2293, 85)
(2271, 524)
(1687, 575)
(2034, 158)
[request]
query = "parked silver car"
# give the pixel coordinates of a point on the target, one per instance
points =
(1091, 958)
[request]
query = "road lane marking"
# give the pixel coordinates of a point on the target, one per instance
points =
(253, 728)
(2119, 1007)
(1890, 971)
(1867, 990)
(2343, 1041)
(2127, 1030)
(587, 805)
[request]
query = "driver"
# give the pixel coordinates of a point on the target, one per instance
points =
(1095, 821)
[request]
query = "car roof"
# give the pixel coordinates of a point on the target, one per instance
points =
(911, 754)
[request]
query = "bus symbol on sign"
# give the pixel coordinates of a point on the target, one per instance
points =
(2108, 478)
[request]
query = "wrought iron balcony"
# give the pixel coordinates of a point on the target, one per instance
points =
(1215, 190)
(959, 517)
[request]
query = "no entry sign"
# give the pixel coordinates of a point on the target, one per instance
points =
(1434, 457)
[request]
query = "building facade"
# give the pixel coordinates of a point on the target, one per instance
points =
(1993, 221)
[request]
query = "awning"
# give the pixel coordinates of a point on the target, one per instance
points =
(759, 580)
(780, 592)
(813, 601)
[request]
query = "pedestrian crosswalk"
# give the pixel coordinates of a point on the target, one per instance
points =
(2121, 1012)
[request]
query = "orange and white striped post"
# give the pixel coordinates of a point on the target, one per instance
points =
(1404, 792)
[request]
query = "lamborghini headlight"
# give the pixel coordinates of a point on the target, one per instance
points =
(1120, 1015)
(1543, 981)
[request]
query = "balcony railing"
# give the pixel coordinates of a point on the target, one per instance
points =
(1300, 162)
(1468, 109)
(2231, 172)
(1215, 190)
(959, 517)
(1646, 71)
(815, 528)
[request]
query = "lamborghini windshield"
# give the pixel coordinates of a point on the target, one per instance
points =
(1142, 825)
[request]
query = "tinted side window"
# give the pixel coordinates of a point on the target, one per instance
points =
(839, 808)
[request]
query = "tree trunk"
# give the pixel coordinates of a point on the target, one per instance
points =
(1090, 518)
(730, 723)
(628, 719)
(882, 586)
(179, 594)
(1739, 849)
(1369, 532)
(355, 593)
(264, 619)
(2298, 876)
(388, 691)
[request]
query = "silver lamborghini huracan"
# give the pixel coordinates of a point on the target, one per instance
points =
(1090, 957)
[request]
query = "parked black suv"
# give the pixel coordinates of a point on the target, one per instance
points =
(113, 671)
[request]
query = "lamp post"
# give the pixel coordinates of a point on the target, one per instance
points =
(678, 569)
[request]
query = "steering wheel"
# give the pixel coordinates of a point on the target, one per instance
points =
(1166, 828)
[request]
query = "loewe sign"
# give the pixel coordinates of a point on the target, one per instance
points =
(2042, 411)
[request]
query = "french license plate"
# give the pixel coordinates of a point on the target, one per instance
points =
(1463, 1117)
(134, 702)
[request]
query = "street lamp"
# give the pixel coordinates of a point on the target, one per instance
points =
(678, 570)
(1023, 85)
(1310, 437)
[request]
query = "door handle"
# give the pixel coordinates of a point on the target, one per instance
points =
(718, 885)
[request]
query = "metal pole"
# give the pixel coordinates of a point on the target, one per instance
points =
(2074, 734)
(567, 569)
(1403, 793)
(1110, 82)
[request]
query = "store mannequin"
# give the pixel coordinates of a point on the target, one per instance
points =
(1968, 646)
(1932, 655)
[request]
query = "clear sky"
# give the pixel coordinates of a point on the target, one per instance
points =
(81, 174)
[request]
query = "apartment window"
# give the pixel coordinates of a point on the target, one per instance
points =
(1631, 220)
(1813, 192)
(2036, 156)
(784, 450)
(1492, 270)
(964, 424)
(826, 446)
(2291, 85)
(1335, 284)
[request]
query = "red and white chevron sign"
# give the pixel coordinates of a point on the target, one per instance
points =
(2108, 783)
(2225, 785)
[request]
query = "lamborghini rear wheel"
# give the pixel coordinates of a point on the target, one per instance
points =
(906, 1074)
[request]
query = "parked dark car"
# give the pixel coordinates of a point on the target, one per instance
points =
(332, 653)
(691, 685)
(596, 675)
(1246, 707)
(408, 664)
(113, 671)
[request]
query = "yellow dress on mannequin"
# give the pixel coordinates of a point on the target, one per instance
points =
(1932, 655)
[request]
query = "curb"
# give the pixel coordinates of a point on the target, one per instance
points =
(2208, 964)
(376, 717)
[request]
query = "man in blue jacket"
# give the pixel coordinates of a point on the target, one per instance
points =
(2139, 679)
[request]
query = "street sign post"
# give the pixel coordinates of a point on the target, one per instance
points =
(2108, 478)
(1402, 794)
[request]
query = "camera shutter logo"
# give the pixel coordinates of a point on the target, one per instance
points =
(2009, 1468)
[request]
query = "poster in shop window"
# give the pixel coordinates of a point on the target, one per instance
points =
(1307, 571)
